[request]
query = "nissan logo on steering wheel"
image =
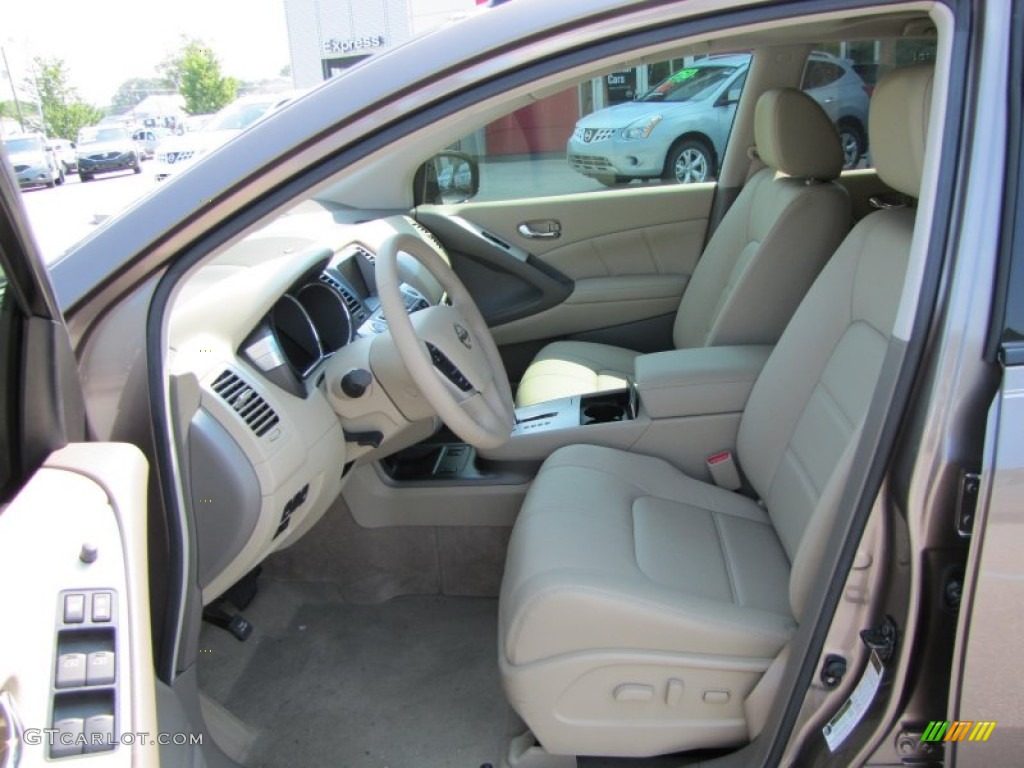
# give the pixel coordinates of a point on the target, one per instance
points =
(463, 335)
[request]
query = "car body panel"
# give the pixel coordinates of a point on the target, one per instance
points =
(65, 151)
(148, 139)
(176, 153)
(32, 159)
(104, 149)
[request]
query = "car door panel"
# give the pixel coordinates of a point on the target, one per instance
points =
(506, 281)
(599, 303)
(628, 253)
(84, 495)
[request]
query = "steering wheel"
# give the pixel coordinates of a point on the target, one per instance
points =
(447, 350)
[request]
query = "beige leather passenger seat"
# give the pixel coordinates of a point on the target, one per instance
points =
(761, 260)
(639, 606)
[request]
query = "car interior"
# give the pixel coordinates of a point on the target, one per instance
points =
(461, 493)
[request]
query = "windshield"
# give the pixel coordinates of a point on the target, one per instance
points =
(689, 84)
(23, 144)
(96, 134)
(238, 116)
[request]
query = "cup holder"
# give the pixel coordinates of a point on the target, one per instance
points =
(602, 413)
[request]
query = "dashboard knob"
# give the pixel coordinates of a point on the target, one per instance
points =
(356, 382)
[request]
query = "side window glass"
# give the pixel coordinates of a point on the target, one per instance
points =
(662, 123)
(841, 77)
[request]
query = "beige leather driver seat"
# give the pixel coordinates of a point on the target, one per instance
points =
(639, 606)
(757, 266)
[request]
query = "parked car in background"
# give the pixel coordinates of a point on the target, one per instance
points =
(66, 155)
(179, 152)
(678, 130)
(34, 163)
(105, 149)
(147, 140)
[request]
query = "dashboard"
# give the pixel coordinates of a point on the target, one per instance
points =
(260, 339)
(319, 316)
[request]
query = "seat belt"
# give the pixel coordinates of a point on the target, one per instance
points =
(756, 163)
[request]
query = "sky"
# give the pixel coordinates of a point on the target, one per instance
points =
(105, 42)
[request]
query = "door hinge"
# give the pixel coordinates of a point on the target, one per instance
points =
(881, 639)
(967, 502)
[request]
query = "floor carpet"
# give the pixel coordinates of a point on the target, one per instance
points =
(408, 683)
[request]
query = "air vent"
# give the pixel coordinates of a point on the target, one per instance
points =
(246, 402)
(355, 306)
(428, 234)
(370, 257)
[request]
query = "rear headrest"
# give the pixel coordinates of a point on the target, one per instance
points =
(898, 126)
(795, 136)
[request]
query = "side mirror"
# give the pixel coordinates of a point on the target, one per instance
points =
(732, 96)
(447, 177)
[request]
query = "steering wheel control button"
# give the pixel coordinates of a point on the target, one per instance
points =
(74, 609)
(448, 368)
(100, 668)
(355, 383)
(71, 670)
(68, 739)
(101, 607)
(99, 733)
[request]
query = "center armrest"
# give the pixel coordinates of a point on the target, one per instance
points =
(694, 382)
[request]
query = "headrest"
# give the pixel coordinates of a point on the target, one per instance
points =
(795, 136)
(898, 126)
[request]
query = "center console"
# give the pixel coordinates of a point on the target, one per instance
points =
(684, 407)
(578, 411)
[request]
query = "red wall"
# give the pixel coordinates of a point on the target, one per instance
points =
(541, 127)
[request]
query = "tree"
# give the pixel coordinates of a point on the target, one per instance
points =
(133, 91)
(196, 72)
(63, 112)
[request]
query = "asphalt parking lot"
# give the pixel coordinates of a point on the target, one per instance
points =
(62, 216)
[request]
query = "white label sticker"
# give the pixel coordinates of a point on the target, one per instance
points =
(851, 713)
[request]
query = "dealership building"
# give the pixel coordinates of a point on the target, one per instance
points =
(328, 36)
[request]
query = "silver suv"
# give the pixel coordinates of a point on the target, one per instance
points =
(678, 130)
(33, 161)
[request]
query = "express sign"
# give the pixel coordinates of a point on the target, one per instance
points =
(355, 44)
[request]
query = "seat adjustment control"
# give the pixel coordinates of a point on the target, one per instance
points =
(634, 692)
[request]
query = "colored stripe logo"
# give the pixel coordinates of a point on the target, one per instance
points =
(959, 730)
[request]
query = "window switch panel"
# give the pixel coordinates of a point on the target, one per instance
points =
(68, 738)
(71, 670)
(99, 733)
(101, 607)
(100, 668)
(74, 608)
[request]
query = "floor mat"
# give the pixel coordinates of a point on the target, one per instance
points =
(409, 683)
